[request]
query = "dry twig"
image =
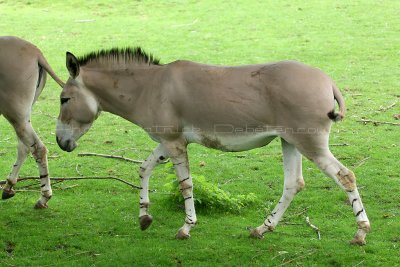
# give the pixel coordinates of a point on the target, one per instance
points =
(77, 169)
(379, 122)
(388, 107)
(361, 162)
(315, 228)
(27, 190)
(78, 178)
(110, 156)
(298, 258)
(343, 144)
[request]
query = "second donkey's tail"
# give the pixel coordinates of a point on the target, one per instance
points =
(45, 65)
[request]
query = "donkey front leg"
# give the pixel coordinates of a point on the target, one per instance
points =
(30, 139)
(156, 157)
(23, 151)
(293, 183)
(178, 155)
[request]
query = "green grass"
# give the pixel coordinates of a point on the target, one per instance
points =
(95, 223)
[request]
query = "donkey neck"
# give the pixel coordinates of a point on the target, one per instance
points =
(123, 91)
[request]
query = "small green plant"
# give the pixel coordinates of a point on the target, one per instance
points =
(209, 196)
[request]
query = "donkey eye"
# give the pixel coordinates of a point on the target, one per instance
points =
(64, 100)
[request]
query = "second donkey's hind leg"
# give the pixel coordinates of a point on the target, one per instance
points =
(30, 139)
(293, 183)
(23, 151)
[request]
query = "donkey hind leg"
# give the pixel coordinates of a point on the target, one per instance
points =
(28, 136)
(155, 158)
(347, 181)
(23, 151)
(293, 183)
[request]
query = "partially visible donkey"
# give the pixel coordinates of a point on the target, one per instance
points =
(22, 78)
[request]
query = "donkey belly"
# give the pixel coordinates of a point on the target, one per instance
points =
(230, 141)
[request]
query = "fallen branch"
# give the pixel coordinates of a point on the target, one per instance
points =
(298, 214)
(378, 122)
(77, 178)
(77, 169)
(388, 107)
(65, 188)
(355, 94)
(344, 144)
(110, 156)
(361, 162)
(304, 255)
(315, 228)
(27, 190)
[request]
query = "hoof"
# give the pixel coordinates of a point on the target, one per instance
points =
(40, 205)
(363, 228)
(145, 221)
(182, 235)
(358, 241)
(254, 233)
(8, 194)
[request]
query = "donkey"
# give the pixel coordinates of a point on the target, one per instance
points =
(22, 78)
(225, 108)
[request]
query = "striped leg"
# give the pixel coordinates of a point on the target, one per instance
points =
(178, 155)
(156, 157)
(28, 136)
(23, 151)
(347, 181)
(293, 184)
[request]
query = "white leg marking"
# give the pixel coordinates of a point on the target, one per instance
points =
(293, 183)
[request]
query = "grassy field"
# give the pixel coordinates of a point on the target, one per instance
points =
(94, 223)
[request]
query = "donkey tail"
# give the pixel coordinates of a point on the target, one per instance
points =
(342, 107)
(45, 65)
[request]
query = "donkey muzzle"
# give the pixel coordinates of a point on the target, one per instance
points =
(66, 145)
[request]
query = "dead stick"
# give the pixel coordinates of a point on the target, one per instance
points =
(27, 190)
(388, 107)
(77, 169)
(315, 228)
(110, 156)
(379, 122)
(78, 178)
(297, 258)
(344, 144)
(65, 188)
(361, 162)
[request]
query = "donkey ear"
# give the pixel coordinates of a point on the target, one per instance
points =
(72, 65)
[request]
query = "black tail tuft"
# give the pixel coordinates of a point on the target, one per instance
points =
(335, 116)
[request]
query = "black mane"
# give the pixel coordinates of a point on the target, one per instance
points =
(135, 54)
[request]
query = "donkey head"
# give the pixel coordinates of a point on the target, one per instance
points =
(79, 108)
